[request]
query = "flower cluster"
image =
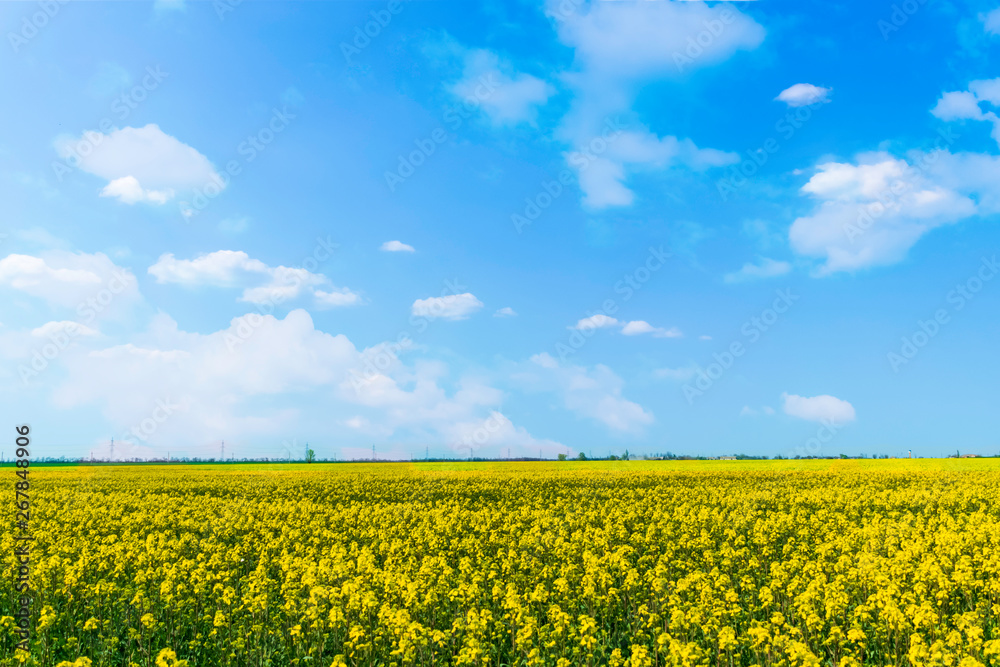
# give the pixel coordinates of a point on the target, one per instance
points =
(619, 563)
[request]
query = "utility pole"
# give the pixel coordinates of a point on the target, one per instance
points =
(306, 456)
(374, 458)
(112, 449)
(427, 452)
(223, 450)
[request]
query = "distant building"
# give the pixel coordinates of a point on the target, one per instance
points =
(727, 458)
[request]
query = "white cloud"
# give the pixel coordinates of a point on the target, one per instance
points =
(823, 408)
(590, 393)
(449, 307)
(497, 432)
(765, 268)
(957, 105)
(602, 178)
(222, 268)
(617, 47)
(598, 321)
(975, 175)
(986, 90)
(234, 268)
(213, 386)
(25, 271)
(804, 94)
(50, 329)
(396, 246)
(69, 279)
(336, 298)
(128, 191)
(141, 164)
(873, 211)
(638, 327)
(633, 328)
(505, 96)
(506, 311)
(286, 283)
(647, 39)
(965, 105)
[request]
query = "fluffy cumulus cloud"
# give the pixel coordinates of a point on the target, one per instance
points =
(824, 408)
(262, 283)
(589, 393)
(804, 94)
(140, 164)
(128, 190)
(631, 328)
(71, 280)
(448, 307)
(396, 246)
(639, 327)
(645, 39)
(969, 104)
(975, 175)
(764, 268)
(872, 211)
(263, 376)
(617, 46)
(223, 268)
(505, 96)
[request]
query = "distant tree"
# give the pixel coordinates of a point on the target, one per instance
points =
(625, 456)
(581, 457)
(562, 457)
(310, 456)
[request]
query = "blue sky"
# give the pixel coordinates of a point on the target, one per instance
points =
(500, 227)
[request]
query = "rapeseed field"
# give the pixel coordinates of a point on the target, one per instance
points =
(620, 563)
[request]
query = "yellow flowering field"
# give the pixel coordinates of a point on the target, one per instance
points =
(571, 563)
